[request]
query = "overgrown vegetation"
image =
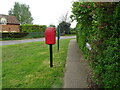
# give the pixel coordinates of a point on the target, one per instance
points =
(27, 65)
(99, 25)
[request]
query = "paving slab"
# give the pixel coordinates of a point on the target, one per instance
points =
(76, 68)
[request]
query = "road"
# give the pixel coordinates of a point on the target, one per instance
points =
(11, 42)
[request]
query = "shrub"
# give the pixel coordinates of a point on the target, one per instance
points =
(98, 24)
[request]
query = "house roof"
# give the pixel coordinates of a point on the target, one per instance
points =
(10, 19)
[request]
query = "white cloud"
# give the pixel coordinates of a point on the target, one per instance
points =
(44, 12)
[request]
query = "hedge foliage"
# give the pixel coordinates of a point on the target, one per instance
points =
(32, 28)
(20, 35)
(13, 35)
(98, 24)
(34, 35)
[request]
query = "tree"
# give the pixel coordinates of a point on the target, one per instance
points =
(21, 11)
(64, 18)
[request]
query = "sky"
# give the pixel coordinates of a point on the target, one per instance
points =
(44, 12)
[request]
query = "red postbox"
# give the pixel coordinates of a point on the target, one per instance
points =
(50, 35)
(50, 38)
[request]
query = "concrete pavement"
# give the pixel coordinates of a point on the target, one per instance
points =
(77, 68)
(10, 42)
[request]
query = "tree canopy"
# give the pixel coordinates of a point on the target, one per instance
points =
(22, 12)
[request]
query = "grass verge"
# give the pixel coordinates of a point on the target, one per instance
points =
(27, 65)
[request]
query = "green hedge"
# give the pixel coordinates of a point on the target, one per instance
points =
(20, 35)
(32, 28)
(99, 25)
(35, 35)
(14, 35)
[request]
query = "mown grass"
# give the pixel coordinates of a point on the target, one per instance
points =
(27, 65)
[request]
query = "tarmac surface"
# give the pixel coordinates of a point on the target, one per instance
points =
(76, 70)
(10, 42)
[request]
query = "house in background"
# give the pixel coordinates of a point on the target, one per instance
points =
(9, 23)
